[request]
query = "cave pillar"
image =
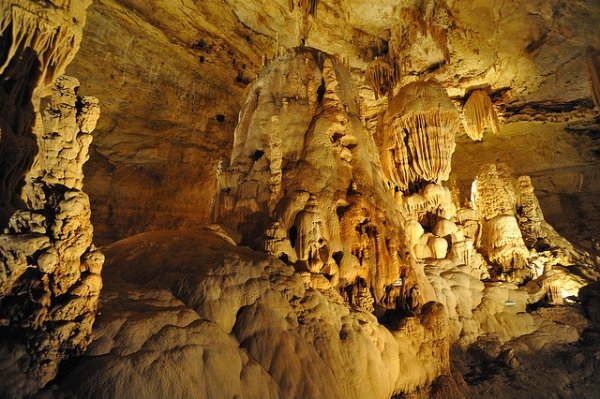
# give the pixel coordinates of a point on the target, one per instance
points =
(49, 268)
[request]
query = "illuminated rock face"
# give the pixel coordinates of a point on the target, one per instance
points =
(49, 269)
(344, 227)
(495, 197)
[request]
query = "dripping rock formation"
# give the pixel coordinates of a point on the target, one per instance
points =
(299, 199)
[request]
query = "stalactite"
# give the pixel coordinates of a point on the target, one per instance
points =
(308, 7)
(428, 17)
(478, 114)
(381, 76)
(52, 43)
(593, 66)
(419, 129)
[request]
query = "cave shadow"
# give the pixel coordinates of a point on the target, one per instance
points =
(18, 144)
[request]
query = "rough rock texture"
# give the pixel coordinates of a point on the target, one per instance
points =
(537, 365)
(170, 89)
(354, 236)
(479, 114)
(495, 197)
(49, 269)
(560, 157)
(221, 320)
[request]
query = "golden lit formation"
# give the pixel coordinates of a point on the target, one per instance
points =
(299, 199)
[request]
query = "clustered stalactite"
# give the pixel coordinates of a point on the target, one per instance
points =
(593, 67)
(419, 136)
(382, 77)
(308, 7)
(49, 268)
(428, 18)
(431, 18)
(479, 114)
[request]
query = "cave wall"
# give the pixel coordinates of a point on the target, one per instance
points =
(170, 80)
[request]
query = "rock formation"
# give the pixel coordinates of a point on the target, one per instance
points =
(418, 136)
(340, 262)
(304, 183)
(381, 76)
(593, 66)
(479, 114)
(49, 269)
(221, 320)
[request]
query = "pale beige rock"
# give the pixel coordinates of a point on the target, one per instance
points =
(381, 76)
(298, 165)
(529, 55)
(479, 114)
(418, 136)
(220, 320)
(47, 251)
(505, 245)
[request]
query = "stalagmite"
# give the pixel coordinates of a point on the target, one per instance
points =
(418, 136)
(290, 164)
(495, 197)
(529, 212)
(47, 258)
(478, 114)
